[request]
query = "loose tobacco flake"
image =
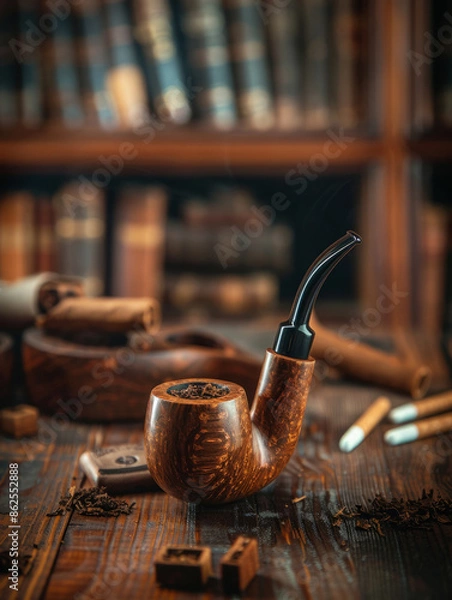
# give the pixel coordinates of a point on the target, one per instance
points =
(195, 391)
(397, 513)
(94, 502)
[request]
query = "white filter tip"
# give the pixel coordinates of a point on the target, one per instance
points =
(404, 413)
(351, 438)
(402, 435)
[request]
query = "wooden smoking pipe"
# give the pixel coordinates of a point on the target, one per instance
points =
(368, 364)
(204, 444)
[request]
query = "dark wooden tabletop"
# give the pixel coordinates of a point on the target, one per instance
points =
(302, 554)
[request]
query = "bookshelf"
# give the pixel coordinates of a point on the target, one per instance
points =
(383, 149)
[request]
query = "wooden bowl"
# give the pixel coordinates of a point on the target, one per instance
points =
(103, 383)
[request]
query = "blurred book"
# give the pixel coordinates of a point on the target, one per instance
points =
(226, 205)
(9, 57)
(230, 247)
(348, 70)
(204, 27)
(16, 235)
(93, 64)
(221, 295)
(125, 81)
(286, 60)
(62, 94)
(80, 234)
(154, 30)
(31, 100)
(251, 69)
(44, 227)
(139, 241)
(317, 50)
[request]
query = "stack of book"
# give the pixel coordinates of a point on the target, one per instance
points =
(225, 256)
(68, 233)
(151, 63)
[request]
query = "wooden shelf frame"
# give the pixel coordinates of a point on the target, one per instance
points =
(190, 151)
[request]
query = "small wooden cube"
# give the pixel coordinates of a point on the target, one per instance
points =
(19, 421)
(240, 564)
(184, 567)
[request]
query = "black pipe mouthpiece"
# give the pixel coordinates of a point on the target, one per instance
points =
(294, 337)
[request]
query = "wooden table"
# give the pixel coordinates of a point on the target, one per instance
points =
(302, 554)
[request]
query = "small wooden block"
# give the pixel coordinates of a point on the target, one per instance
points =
(240, 564)
(19, 421)
(185, 567)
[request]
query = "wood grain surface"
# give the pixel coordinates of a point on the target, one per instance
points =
(47, 465)
(301, 554)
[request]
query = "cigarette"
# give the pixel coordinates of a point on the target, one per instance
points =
(364, 425)
(419, 430)
(421, 408)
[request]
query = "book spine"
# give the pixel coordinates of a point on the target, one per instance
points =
(205, 32)
(80, 234)
(227, 295)
(316, 51)
(125, 80)
(154, 31)
(31, 99)
(347, 25)
(139, 233)
(44, 236)
(16, 235)
(64, 98)
(283, 27)
(226, 205)
(248, 52)
(217, 247)
(10, 53)
(94, 64)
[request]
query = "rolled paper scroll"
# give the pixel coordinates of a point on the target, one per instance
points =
(22, 301)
